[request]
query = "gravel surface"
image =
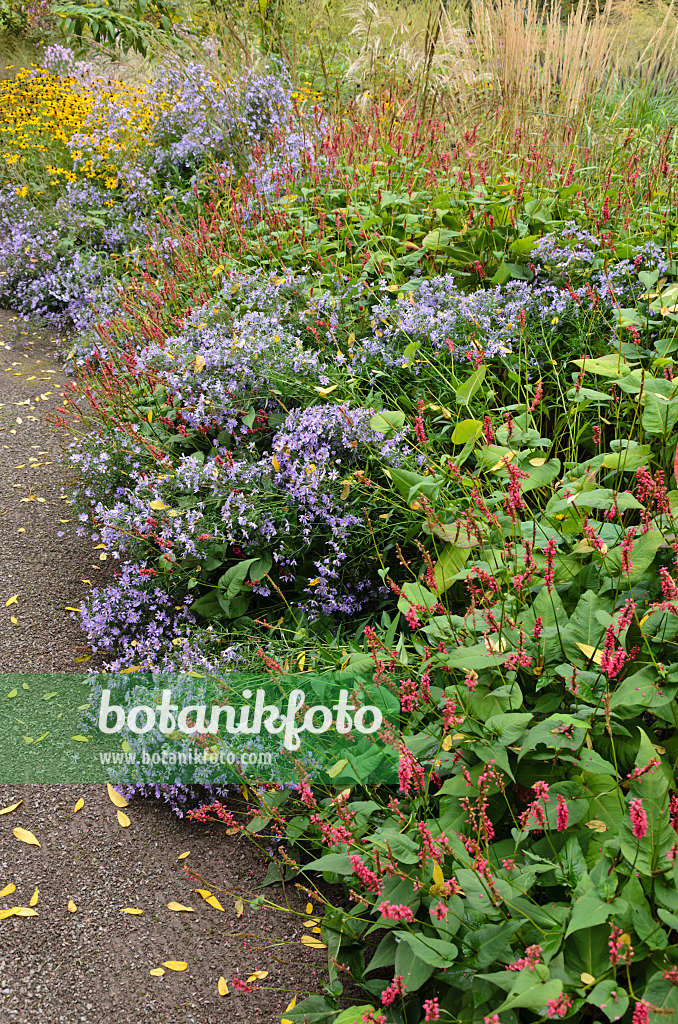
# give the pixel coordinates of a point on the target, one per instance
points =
(93, 965)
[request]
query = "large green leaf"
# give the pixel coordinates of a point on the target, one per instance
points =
(609, 997)
(451, 560)
(647, 853)
(437, 952)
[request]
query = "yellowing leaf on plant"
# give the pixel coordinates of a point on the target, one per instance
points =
(71, 907)
(447, 743)
(157, 972)
(116, 798)
(158, 505)
(12, 807)
(8, 890)
(79, 806)
(257, 976)
(596, 825)
(222, 987)
(275, 463)
(324, 392)
(587, 979)
(123, 820)
(12, 600)
(592, 653)
(25, 836)
(199, 364)
(34, 898)
(179, 907)
(239, 908)
(183, 856)
(537, 462)
(175, 965)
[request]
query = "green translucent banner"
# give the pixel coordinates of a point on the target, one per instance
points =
(192, 729)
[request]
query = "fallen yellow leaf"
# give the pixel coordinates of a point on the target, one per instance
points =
(158, 505)
(9, 912)
(310, 940)
(275, 463)
(123, 820)
(204, 893)
(309, 910)
(183, 856)
(214, 902)
(34, 898)
(257, 976)
(447, 743)
(79, 806)
(71, 907)
(222, 987)
(175, 965)
(239, 907)
(157, 972)
(199, 363)
(179, 907)
(25, 836)
(130, 910)
(8, 890)
(12, 600)
(115, 797)
(24, 912)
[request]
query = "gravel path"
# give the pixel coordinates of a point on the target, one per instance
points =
(93, 965)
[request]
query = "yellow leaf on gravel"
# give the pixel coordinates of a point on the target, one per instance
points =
(257, 976)
(8, 890)
(12, 807)
(222, 987)
(71, 907)
(12, 600)
(9, 912)
(34, 898)
(214, 902)
(239, 907)
(309, 910)
(157, 972)
(115, 797)
(130, 910)
(175, 965)
(25, 836)
(310, 940)
(24, 912)
(158, 505)
(312, 922)
(592, 653)
(79, 806)
(179, 907)
(290, 1006)
(123, 820)
(183, 856)
(204, 893)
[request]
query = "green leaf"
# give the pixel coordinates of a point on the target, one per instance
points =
(509, 726)
(588, 910)
(611, 365)
(339, 863)
(353, 1015)
(465, 431)
(451, 560)
(642, 555)
(614, 1005)
(410, 484)
(233, 579)
(387, 420)
(467, 390)
(436, 952)
(531, 993)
